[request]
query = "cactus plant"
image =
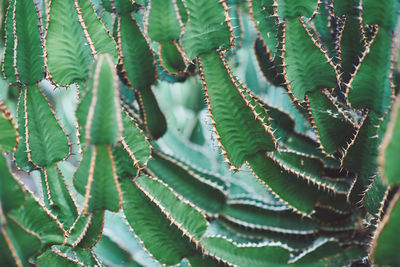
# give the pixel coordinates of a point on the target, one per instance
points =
(199, 133)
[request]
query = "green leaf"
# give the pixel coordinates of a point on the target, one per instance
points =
(390, 148)
(95, 31)
(183, 14)
(283, 126)
(240, 131)
(207, 28)
(52, 257)
(122, 7)
(124, 163)
(16, 245)
(8, 135)
(311, 169)
(295, 9)
(173, 142)
(375, 196)
(255, 255)
(87, 257)
(333, 129)
(82, 112)
(113, 254)
(244, 235)
(86, 231)
(151, 223)
(47, 141)
(60, 198)
(254, 214)
(68, 58)
(21, 155)
(134, 141)
(162, 21)
(328, 252)
(360, 158)
(104, 123)
(25, 56)
(9, 61)
(152, 116)
(171, 58)
(199, 260)
(285, 184)
(137, 63)
(97, 180)
(382, 14)
(267, 63)
(38, 221)
(190, 221)
(307, 66)
(11, 195)
(265, 20)
(193, 185)
(370, 86)
(351, 38)
(384, 248)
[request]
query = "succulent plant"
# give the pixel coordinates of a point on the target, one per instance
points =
(199, 133)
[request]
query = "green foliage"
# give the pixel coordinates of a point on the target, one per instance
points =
(108, 158)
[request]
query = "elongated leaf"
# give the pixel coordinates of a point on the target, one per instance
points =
(99, 39)
(57, 258)
(194, 186)
(240, 133)
(68, 58)
(207, 28)
(137, 65)
(333, 129)
(351, 38)
(227, 251)
(104, 123)
(311, 169)
(307, 67)
(370, 86)
(47, 141)
(294, 10)
(327, 251)
(165, 241)
(361, 159)
(285, 184)
(244, 235)
(86, 231)
(265, 20)
(390, 148)
(385, 15)
(21, 155)
(11, 195)
(190, 221)
(25, 56)
(134, 141)
(171, 58)
(38, 221)
(122, 7)
(97, 180)
(61, 201)
(113, 254)
(151, 114)
(375, 197)
(385, 244)
(8, 135)
(267, 63)
(162, 21)
(256, 217)
(17, 246)
(9, 61)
